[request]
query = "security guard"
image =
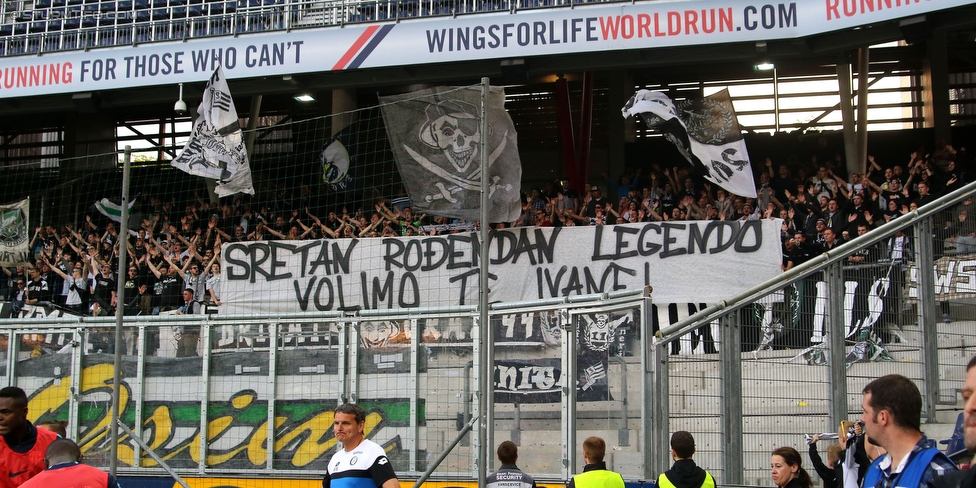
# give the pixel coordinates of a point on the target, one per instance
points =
(684, 473)
(595, 473)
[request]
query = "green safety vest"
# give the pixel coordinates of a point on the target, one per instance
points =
(664, 482)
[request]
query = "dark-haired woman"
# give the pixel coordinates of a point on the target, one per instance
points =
(787, 471)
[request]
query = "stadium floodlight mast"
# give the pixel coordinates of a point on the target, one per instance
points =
(180, 107)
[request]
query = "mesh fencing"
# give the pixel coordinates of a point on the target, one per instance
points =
(220, 395)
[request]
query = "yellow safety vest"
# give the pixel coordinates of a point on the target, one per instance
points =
(664, 482)
(599, 478)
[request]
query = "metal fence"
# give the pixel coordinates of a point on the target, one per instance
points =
(796, 351)
(217, 395)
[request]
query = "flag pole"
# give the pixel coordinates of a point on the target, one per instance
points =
(119, 310)
(484, 339)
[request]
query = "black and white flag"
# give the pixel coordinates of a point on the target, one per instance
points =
(436, 138)
(14, 237)
(706, 132)
(216, 147)
(338, 158)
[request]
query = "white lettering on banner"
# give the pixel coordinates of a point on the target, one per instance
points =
(588, 28)
(954, 279)
(704, 260)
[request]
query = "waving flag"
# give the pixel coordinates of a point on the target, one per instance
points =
(339, 157)
(113, 211)
(14, 238)
(216, 146)
(706, 132)
(436, 138)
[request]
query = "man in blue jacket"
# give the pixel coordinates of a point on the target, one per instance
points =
(892, 419)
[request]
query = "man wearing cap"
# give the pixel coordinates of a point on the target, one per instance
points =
(596, 199)
(684, 473)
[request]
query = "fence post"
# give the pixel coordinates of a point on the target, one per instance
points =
(568, 406)
(655, 410)
(836, 340)
(730, 417)
(928, 323)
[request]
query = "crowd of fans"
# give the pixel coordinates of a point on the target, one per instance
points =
(173, 260)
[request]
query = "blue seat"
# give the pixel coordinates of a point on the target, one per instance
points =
(143, 33)
(39, 4)
(6, 30)
(86, 39)
(40, 26)
(69, 40)
(219, 27)
(72, 18)
(408, 8)
(123, 36)
(955, 444)
(161, 14)
(15, 46)
(51, 43)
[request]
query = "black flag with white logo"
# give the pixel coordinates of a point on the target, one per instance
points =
(706, 132)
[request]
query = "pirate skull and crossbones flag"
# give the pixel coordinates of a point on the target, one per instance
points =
(705, 131)
(216, 147)
(436, 138)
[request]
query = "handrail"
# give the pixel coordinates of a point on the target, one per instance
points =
(708, 314)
